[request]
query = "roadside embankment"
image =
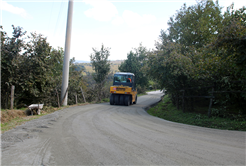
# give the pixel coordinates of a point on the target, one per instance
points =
(166, 110)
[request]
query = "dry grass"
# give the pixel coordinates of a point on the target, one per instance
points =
(8, 115)
(113, 66)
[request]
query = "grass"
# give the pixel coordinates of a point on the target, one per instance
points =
(16, 122)
(166, 110)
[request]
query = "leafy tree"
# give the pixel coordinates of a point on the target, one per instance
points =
(169, 67)
(202, 46)
(34, 68)
(76, 81)
(101, 65)
(11, 60)
(178, 52)
(135, 63)
(196, 25)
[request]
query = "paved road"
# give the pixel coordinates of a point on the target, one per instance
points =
(100, 134)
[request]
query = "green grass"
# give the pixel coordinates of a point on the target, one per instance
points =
(166, 110)
(16, 122)
(105, 100)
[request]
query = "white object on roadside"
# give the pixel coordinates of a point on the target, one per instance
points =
(37, 107)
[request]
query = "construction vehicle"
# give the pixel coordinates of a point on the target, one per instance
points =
(123, 91)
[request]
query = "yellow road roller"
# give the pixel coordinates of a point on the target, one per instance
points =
(123, 91)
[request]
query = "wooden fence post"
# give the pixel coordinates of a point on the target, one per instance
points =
(82, 94)
(210, 104)
(12, 97)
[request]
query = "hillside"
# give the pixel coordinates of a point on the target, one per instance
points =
(88, 67)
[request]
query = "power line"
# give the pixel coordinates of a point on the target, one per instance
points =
(58, 19)
(50, 15)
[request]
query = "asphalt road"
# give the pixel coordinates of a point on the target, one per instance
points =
(101, 134)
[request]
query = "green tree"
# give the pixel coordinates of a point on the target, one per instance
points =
(196, 25)
(34, 68)
(201, 47)
(76, 81)
(135, 63)
(181, 47)
(11, 60)
(101, 65)
(169, 67)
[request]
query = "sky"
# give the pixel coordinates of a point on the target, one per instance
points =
(120, 25)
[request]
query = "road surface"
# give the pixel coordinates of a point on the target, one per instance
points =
(101, 134)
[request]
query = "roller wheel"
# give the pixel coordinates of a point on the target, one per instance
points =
(121, 99)
(135, 102)
(116, 99)
(130, 98)
(127, 100)
(111, 99)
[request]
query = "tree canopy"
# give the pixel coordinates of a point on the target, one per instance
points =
(135, 62)
(101, 65)
(33, 67)
(202, 47)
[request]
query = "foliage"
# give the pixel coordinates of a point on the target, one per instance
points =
(201, 48)
(11, 60)
(76, 81)
(166, 110)
(34, 68)
(135, 63)
(194, 26)
(101, 65)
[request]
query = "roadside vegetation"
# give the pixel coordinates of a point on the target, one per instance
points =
(202, 56)
(166, 110)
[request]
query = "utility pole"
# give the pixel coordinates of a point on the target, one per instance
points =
(65, 72)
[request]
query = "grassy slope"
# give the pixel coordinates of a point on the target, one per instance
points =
(114, 66)
(166, 110)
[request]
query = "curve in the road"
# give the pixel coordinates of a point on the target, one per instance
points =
(101, 134)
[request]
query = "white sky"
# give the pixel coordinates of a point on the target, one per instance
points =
(118, 24)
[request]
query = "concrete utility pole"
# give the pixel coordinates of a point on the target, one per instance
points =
(65, 75)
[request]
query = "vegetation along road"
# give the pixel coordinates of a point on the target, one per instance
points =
(101, 134)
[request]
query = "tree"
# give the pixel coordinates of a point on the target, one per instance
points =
(169, 67)
(196, 25)
(202, 47)
(101, 65)
(11, 60)
(76, 81)
(180, 50)
(135, 63)
(34, 68)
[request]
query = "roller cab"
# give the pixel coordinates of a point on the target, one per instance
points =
(123, 91)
